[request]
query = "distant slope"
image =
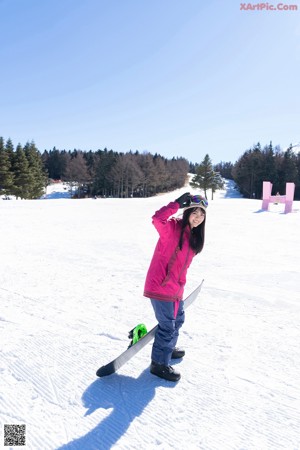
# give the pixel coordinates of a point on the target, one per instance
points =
(57, 191)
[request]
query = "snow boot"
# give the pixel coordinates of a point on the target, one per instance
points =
(166, 372)
(177, 353)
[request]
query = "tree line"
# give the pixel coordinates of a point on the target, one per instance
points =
(264, 164)
(24, 171)
(109, 173)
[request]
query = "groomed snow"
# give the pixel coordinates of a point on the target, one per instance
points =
(71, 286)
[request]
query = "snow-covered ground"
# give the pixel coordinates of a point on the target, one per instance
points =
(71, 286)
(54, 191)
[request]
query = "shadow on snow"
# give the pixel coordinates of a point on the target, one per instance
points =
(126, 396)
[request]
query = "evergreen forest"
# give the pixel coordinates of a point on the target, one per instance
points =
(25, 171)
(264, 164)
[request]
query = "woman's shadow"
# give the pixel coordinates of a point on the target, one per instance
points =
(127, 397)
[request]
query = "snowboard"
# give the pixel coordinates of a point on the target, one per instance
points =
(114, 365)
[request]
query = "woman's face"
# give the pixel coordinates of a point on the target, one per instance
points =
(196, 217)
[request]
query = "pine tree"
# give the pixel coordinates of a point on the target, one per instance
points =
(23, 177)
(225, 169)
(204, 178)
(249, 171)
(104, 161)
(269, 169)
(290, 166)
(9, 148)
(37, 174)
(55, 163)
(6, 176)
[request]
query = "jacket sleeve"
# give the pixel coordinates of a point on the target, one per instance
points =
(160, 218)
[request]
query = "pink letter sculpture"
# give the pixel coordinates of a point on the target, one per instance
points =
(287, 199)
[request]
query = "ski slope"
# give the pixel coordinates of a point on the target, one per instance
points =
(71, 287)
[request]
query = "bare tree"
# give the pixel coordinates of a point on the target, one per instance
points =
(77, 172)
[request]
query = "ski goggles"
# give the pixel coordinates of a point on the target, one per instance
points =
(199, 201)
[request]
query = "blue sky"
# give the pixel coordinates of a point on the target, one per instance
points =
(175, 77)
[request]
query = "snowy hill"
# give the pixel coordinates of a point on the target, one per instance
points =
(230, 191)
(57, 190)
(53, 191)
(71, 286)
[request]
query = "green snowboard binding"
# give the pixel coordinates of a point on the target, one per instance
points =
(137, 333)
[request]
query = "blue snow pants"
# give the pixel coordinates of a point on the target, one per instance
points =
(168, 329)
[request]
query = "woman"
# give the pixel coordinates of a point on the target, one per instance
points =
(179, 241)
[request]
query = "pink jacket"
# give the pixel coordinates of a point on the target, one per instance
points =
(166, 275)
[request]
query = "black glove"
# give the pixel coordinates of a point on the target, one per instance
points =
(184, 200)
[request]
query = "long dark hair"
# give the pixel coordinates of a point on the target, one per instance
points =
(197, 234)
